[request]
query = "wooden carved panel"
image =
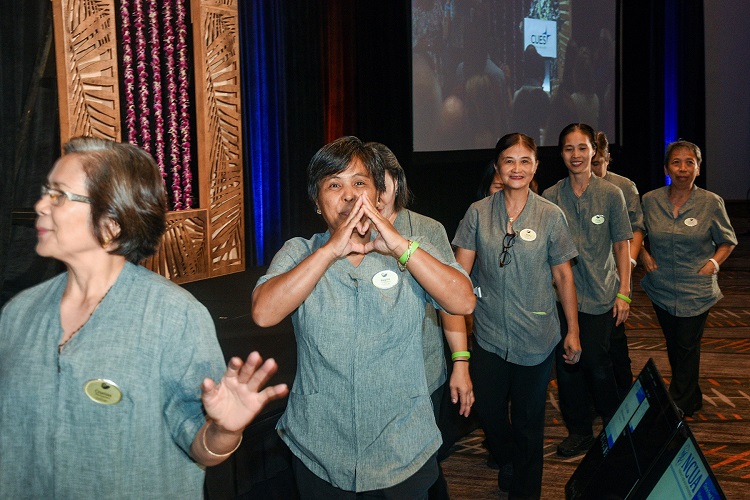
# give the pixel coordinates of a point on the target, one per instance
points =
(183, 253)
(201, 243)
(216, 48)
(85, 35)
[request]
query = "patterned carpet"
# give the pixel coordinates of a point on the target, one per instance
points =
(722, 427)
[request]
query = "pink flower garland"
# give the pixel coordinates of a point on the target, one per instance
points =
(153, 18)
(138, 115)
(143, 84)
(184, 100)
(128, 75)
(174, 145)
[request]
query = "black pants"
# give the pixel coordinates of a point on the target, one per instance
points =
(683, 336)
(620, 357)
(519, 440)
(589, 380)
(415, 487)
(439, 489)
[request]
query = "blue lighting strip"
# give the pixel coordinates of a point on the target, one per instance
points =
(671, 73)
(261, 49)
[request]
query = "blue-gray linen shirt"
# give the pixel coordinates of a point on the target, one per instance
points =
(515, 316)
(681, 246)
(359, 413)
(149, 337)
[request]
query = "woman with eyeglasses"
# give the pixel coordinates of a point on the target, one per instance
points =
(515, 244)
(103, 379)
(598, 218)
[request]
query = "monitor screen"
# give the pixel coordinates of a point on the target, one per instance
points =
(483, 69)
(643, 426)
(687, 476)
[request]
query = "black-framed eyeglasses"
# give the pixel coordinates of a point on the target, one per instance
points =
(58, 197)
(508, 240)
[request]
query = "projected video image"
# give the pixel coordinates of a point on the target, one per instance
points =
(483, 68)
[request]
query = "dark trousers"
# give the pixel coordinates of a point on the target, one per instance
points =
(589, 380)
(415, 487)
(620, 357)
(683, 336)
(439, 489)
(499, 384)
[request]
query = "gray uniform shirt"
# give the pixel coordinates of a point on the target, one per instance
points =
(597, 219)
(149, 337)
(681, 246)
(418, 227)
(632, 199)
(359, 413)
(515, 316)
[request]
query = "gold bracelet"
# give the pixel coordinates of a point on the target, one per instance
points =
(223, 455)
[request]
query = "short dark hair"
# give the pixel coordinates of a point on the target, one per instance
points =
(125, 186)
(683, 144)
(533, 63)
(336, 156)
(393, 167)
(581, 127)
(510, 140)
(602, 145)
(488, 177)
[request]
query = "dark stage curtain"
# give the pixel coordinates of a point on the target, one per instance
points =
(29, 138)
(264, 108)
(338, 65)
(662, 78)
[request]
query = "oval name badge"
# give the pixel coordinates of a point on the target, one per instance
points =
(103, 391)
(598, 219)
(528, 235)
(385, 279)
(691, 222)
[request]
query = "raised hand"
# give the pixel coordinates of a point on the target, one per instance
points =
(239, 397)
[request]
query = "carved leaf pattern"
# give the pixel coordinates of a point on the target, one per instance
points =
(182, 255)
(198, 243)
(223, 109)
(92, 69)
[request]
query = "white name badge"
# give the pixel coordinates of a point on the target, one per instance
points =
(103, 391)
(691, 222)
(598, 219)
(385, 279)
(528, 235)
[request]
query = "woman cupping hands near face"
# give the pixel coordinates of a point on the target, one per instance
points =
(359, 416)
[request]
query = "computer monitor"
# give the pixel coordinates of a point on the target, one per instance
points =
(646, 446)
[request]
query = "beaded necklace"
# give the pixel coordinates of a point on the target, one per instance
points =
(61, 344)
